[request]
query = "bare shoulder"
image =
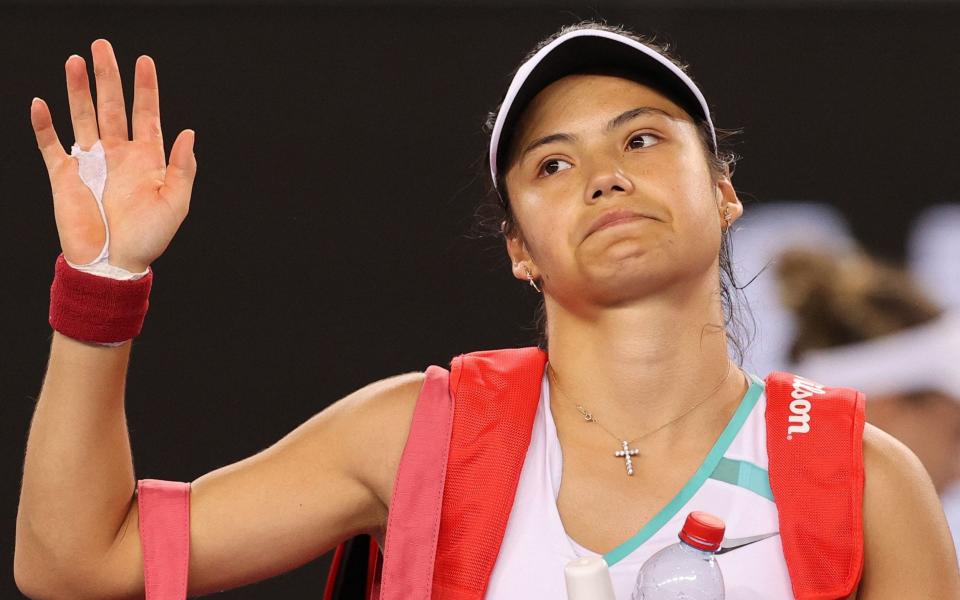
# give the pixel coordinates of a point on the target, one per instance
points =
(381, 415)
(908, 551)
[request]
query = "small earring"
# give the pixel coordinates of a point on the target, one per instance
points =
(530, 277)
(727, 218)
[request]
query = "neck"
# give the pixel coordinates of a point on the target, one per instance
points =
(636, 367)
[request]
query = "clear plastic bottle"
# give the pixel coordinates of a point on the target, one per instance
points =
(687, 570)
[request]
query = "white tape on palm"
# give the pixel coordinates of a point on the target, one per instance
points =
(93, 173)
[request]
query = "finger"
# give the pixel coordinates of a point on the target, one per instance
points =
(146, 107)
(82, 114)
(47, 141)
(111, 111)
(178, 181)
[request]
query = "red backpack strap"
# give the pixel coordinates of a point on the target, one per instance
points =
(374, 571)
(333, 573)
(497, 393)
(353, 558)
(815, 451)
(164, 523)
(414, 519)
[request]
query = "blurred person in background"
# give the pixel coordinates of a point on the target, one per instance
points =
(867, 325)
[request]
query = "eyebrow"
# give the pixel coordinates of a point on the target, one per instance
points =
(614, 123)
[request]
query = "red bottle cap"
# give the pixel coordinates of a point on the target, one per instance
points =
(703, 530)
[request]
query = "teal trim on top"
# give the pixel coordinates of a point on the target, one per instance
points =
(709, 465)
(744, 474)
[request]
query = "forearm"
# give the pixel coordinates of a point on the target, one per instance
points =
(78, 477)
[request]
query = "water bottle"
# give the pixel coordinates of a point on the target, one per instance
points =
(687, 570)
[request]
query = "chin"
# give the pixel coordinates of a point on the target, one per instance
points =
(628, 283)
(627, 258)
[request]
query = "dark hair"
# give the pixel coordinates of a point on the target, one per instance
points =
(496, 207)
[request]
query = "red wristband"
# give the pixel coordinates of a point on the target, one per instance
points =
(92, 308)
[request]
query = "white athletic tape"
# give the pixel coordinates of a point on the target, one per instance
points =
(93, 173)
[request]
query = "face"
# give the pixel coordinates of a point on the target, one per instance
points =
(612, 144)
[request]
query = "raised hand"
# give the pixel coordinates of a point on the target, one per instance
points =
(145, 200)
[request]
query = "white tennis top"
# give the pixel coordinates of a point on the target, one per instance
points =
(732, 483)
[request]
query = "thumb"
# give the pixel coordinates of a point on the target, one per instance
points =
(178, 181)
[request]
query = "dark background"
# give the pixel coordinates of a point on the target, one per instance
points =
(339, 152)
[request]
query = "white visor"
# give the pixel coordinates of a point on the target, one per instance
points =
(584, 49)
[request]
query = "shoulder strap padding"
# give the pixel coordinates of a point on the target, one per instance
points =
(815, 453)
(496, 396)
(413, 523)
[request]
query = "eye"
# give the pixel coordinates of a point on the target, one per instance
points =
(640, 136)
(545, 166)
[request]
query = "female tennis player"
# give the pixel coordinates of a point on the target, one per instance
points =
(618, 207)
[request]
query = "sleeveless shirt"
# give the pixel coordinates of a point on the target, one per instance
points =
(732, 483)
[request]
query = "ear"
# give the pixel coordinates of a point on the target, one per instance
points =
(727, 199)
(519, 257)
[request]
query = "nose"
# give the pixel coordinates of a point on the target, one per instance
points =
(608, 180)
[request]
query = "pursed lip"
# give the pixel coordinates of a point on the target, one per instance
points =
(614, 215)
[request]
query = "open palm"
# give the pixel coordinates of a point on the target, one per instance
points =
(145, 199)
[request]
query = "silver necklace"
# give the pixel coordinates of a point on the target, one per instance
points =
(626, 452)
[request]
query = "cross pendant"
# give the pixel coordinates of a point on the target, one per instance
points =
(626, 453)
